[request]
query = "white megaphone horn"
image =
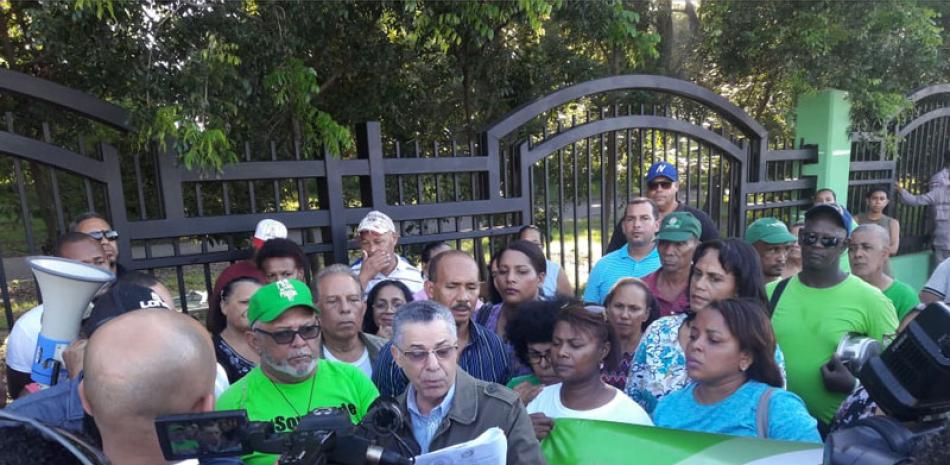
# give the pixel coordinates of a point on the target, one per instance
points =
(67, 287)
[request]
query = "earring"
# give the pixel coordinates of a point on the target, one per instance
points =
(743, 368)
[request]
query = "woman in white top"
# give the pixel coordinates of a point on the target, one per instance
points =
(583, 341)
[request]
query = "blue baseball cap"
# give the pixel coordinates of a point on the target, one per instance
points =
(839, 212)
(664, 169)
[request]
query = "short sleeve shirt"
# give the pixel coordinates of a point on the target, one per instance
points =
(903, 297)
(620, 409)
(404, 273)
(333, 385)
(939, 282)
(614, 266)
(810, 322)
(735, 415)
(21, 344)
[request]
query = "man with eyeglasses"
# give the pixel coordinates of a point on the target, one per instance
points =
(452, 280)
(443, 405)
(340, 299)
(814, 309)
(98, 227)
(291, 380)
(662, 187)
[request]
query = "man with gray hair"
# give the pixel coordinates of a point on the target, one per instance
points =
(291, 381)
(868, 254)
(340, 299)
(445, 406)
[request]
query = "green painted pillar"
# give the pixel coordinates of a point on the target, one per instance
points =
(823, 118)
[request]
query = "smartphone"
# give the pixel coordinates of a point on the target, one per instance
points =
(203, 435)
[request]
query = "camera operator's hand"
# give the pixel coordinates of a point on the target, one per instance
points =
(527, 391)
(836, 376)
(542, 425)
(72, 356)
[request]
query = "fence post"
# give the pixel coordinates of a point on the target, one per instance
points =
(823, 118)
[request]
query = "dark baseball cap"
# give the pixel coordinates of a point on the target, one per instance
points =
(120, 298)
(836, 210)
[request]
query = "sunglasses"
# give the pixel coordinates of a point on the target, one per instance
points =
(660, 185)
(99, 235)
(810, 239)
(419, 356)
(287, 336)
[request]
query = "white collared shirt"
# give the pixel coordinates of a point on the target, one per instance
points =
(404, 272)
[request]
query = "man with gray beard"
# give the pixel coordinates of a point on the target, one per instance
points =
(291, 380)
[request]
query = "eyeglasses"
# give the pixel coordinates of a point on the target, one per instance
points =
(660, 184)
(287, 336)
(536, 357)
(419, 356)
(99, 235)
(810, 239)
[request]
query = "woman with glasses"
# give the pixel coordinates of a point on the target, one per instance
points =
(736, 386)
(519, 274)
(629, 308)
(227, 318)
(529, 333)
(583, 342)
(721, 270)
(383, 301)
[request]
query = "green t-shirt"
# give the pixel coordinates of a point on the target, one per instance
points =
(334, 385)
(903, 296)
(810, 322)
(520, 379)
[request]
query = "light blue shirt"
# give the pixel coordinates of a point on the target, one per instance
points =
(425, 426)
(615, 265)
(549, 286)
(788, 419)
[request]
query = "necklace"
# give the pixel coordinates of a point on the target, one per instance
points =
(313, 381)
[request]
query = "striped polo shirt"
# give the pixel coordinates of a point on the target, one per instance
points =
(615, 265)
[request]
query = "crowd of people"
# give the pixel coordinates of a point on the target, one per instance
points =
(677, 328)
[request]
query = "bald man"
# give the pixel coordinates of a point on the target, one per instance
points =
(133, 376)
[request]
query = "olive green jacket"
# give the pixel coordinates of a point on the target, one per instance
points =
(477, 406)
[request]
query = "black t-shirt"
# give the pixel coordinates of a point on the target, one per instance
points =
(710, 232)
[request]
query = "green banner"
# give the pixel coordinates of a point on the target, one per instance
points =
(588, 442)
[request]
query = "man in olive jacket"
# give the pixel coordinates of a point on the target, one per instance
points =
(443, 405)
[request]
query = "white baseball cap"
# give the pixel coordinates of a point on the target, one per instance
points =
(376, 222)
(266, 230)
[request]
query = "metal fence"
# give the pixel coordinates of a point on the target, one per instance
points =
(567, 162)
(908, 150)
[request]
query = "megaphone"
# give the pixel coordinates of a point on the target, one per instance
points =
(67, 287)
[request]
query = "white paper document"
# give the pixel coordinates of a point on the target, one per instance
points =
(489, 448)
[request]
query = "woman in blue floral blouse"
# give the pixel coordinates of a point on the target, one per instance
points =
(721, 269)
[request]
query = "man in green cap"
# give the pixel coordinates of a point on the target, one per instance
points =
(291, 380)
(678, 238)
(772, 241)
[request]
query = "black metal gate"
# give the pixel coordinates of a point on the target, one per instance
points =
(567, 161)
(908, 150)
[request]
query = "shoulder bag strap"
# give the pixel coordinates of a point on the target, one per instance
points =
(762, 414)
(777, 293)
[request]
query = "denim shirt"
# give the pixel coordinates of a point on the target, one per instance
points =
(424, 427)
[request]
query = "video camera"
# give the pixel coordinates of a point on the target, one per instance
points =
(910, 382)
(325, 436)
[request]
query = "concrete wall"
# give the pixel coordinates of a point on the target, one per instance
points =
(913, 269)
